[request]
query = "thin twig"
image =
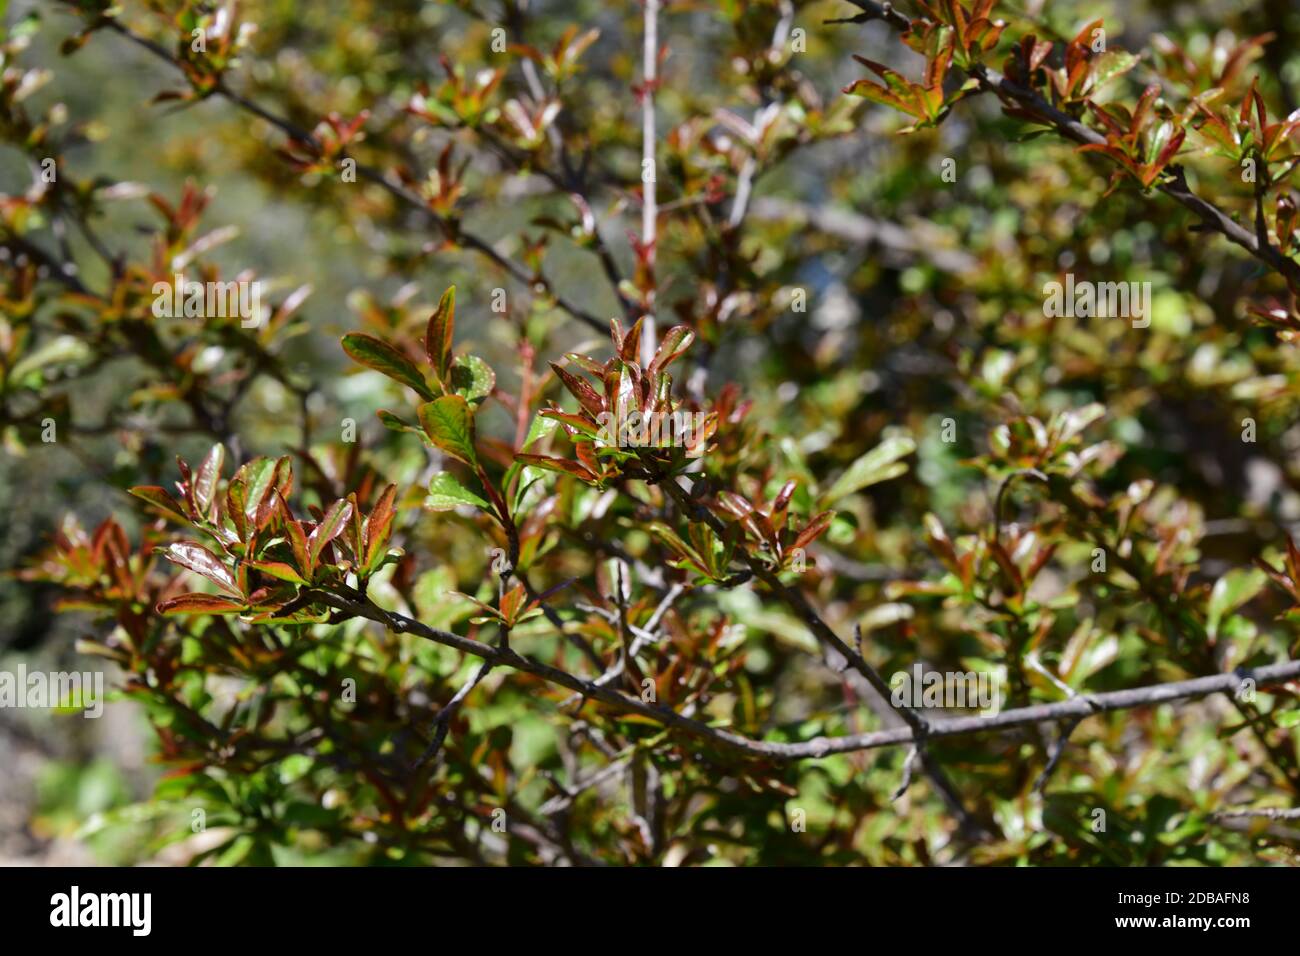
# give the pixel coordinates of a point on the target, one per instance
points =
(649, 208)
(821, 746)
(1175, 186)
(452, 232)
(1267, 813)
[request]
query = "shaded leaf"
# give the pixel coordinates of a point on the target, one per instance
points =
(449, 423)
(879, 464)
(387, 359)
(1230, 592)
(279, 570)
(446, 493)
(472, 378)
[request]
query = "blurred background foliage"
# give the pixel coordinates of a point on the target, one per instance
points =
(924, 305)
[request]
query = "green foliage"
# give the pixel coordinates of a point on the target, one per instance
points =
(648, 507)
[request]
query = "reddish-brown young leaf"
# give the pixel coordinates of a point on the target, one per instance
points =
(587, 396)
(781, 502)
(734, 505)
(329, 528)
(297, 539)
(586, 363)
(674, 543)
(279, 570)
(1253, 98)
(574, 424)
(272, 597)
(558, 464)
(161, 500)
(235, 496)
(197, 603)
(1040, 559)
(1292, 560)
(1140, 111)
(586, 453)
(438, 334)
(629, 345)
(1038, 51)
(354, 531)
(511, 604)
(205, 482)
(200, 560)
(1152, 172)
(675, 342)
(379, 527)
(1007, 565)
(259, 479)
(815, 528)
(186, 486)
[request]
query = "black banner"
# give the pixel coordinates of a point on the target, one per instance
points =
(336, 906)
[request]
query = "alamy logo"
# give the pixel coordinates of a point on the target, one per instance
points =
(181, 298)
(950, 690)
(134, 910)
(40, 691)
(635, 429)
(1114, 300)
